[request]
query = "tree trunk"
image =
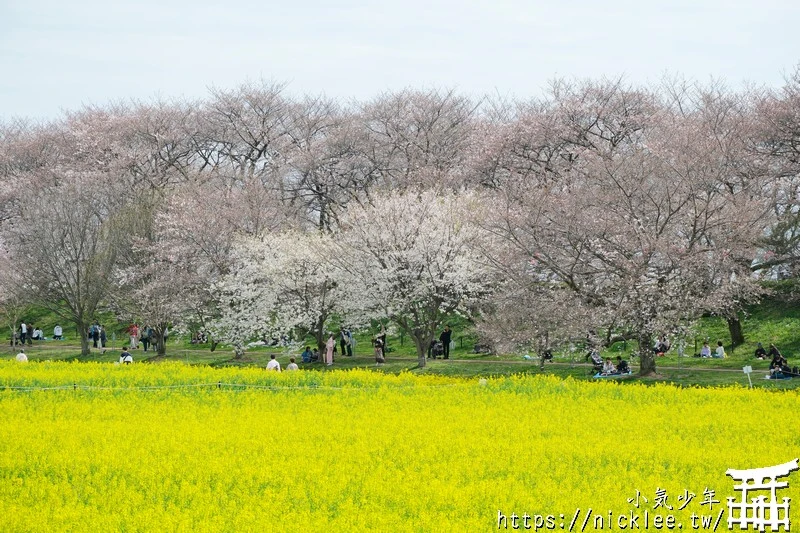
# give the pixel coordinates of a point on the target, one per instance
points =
(83, 333)
(544, 342)
(647, 358)
(161, 346)
(160, 343)
(319, 333)
(422, 348)
(735, 328)
(238, 351)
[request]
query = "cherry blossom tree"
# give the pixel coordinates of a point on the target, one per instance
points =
(13, 294)
(279, 284)
(155, 292)
(777, 147)
(529, 309)
(198, 228)
(419, 138)
(409, 257)
(242, 132)
(67, 241)
(646, 226)
(325, 167)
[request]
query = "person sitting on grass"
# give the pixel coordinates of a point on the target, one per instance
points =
(719, 353)
(273, 364)
(779, 367)
(125, 358)
(778, 361)
(622, 366)
(292, 365)
(705, 351)
(774, 352)
(761, 353)
(21, 357)
(306, 355)
(608, 367)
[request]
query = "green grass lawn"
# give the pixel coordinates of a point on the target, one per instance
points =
(684, 371)
(773, 321)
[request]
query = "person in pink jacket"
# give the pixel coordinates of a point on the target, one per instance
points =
(329, 350)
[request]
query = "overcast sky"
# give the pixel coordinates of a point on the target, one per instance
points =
(58, 54)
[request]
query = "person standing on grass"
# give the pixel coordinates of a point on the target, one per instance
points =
(382, 337)
(23, 333)
(144, 336)
(57, 333)
(329, 346)
(95, 334)
(274, 364)
(292, 365)
(103, 337)
(133, 332)
(445, 339)
(379, 357)
(346, 342)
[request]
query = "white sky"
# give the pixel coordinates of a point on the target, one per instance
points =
(59, 54)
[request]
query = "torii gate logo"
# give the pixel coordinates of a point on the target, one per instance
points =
(758, 512)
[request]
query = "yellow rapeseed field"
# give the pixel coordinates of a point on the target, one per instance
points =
(172, 447)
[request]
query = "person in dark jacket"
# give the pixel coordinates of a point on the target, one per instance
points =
(761, 353)
(445, 338)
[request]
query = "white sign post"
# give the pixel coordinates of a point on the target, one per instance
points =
(748, 370)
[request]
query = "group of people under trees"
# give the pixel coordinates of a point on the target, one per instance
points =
(143, 334)
(27, 333)
(718, 353)
(607, 367)
(96, 333)
(137, 334)
(778, 365)
(347, 342)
